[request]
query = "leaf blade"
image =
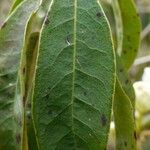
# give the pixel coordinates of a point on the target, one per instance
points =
(131, 27)
(124, 120)
(11, 41)
(63, 76)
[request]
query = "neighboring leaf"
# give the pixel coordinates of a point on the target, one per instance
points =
(75, 77)
(124, 120)
(131, 28)
(28, 65)
(124, 80)
(15, 4)
(118, 26)
(30, 55)
(11, 41)
(128, 35)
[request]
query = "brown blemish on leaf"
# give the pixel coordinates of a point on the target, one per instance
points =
(125, 143)
(85, 93)
(103, 120)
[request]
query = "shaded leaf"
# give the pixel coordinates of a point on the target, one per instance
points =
(11, 41)
(124, 80)
(124, 120)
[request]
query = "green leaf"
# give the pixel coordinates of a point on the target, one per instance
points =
(130, 31)
(128, 35)
(74, 82)
(124, 120)
(15, 4)
(11, 41)
(28, 65)
(31, 55)
(124, 80)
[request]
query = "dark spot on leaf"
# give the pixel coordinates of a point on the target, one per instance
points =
(127, 81)
(47, 96)
(24, 101)
(138, 14)
(103, 120)
(47, 21)
(24, 70)
(50, 112)
(130, 47)
(138, 33)
(135, 50)
(98, 14)
(135, 135)
(3, 26)
(125, 143)
(29, 116)
(85, 93)
(18, 139)
(124, 52)
(128, 37)
(121, 70)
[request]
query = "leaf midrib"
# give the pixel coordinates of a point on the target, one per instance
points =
(74, 66)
